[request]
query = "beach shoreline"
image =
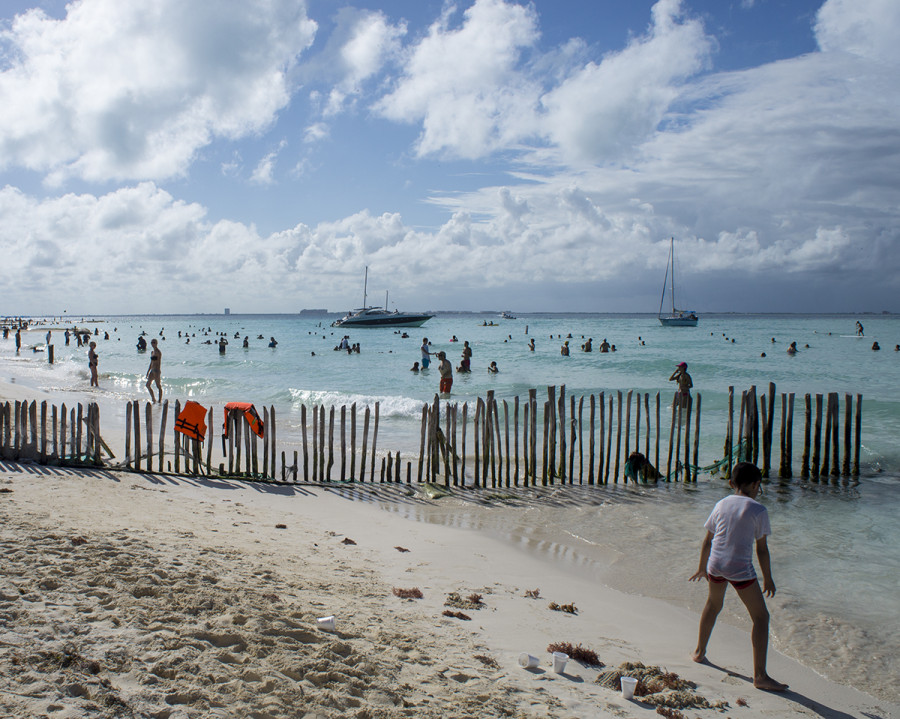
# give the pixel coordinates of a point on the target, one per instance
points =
(165, 547)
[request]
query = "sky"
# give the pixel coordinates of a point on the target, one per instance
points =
(173, 157)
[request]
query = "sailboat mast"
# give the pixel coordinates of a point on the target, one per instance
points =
(365, 286)
(662, 297)
(672, 260)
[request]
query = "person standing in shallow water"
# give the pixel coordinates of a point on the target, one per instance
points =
(685, 383)
(154, 371)
(93, 361)
(726, 557)
(446, 370)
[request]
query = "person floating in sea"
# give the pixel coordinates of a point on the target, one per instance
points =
(588, 346)
(792, 350)
(154, 371)
(223, 343)
(604, 345)
(726, 557)
(273, 343)
(493, 368)
(531, 344)
(564, 350)
(446, 370)
(247, 342)
(93, 361)
(685, 383)
(859, 329)
(876, 346)
(415, 367)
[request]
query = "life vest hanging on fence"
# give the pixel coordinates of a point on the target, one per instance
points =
(250, 415)
(192, 421)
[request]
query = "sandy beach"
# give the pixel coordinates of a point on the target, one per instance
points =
(158, 596)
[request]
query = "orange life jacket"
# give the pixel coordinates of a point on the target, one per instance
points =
(192, 421)
(250, 415)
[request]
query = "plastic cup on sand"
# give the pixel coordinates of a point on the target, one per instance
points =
(326, 623)
(628, 687)
(528, 661)
(560, 659)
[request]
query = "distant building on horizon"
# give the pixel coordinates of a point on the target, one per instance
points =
(227, 310)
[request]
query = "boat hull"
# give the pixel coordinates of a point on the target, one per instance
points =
(678, 321)
(384, 321)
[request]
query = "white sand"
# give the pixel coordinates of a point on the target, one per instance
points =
(132, 595)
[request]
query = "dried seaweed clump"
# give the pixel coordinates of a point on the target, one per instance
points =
(487, 661)
(456, 615)
(473, 601)
(568, 608)
(414, 593)
(401, 549)
(532, 593)
(741, 702)
(581, 654)
(669, 713)
(658, 687)
(347, 540)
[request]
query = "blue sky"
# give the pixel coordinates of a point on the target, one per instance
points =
(183, 157)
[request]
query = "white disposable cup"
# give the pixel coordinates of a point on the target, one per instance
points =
(326, 623)
(628, 686)
(560, 659)
(528, 661)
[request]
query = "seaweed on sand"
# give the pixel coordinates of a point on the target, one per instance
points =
(414, 593)
(581, 654)
(456, 615)
(568, 608)
(658, 687)
(473, 601)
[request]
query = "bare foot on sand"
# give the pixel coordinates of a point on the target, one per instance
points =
(699, 657)
(766, 683)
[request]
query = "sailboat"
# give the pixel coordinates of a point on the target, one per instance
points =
(379, 316)
(675, 318)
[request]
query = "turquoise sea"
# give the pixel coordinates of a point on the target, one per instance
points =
(835, 545)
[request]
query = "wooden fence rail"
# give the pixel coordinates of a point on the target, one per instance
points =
(509, 445)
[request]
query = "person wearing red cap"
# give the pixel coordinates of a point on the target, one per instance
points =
(685, 383)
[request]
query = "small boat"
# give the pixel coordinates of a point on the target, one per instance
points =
(676, 317)
(380, 316)
(507, 316)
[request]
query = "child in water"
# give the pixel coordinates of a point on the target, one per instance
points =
(726, 557)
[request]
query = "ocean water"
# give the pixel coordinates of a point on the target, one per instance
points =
(835, 545)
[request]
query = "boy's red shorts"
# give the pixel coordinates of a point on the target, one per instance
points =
(446, 384)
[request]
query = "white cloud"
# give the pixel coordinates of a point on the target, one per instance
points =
(603, 111)
(263, 174)
(119, 90)
(464, 85)
(863, 27)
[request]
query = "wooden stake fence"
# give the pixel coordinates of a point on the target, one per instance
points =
(53, 434)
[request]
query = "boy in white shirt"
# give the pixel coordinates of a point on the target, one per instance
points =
(726, 557)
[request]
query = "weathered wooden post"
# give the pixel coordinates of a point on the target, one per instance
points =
(149, 423)
(807, 426)
(580, 439)
(835, 440)
(697, 437)
(136, 408)
(374, 439)
(506, 437)
(848, 416)
(817, 437)
(592, 411)
(858, 435)
(628, 425)
(618, 432)
(465, 424)
(128, 457)
(546, 439)
(561, 411)
(550, 409)
(516, 439)
(353, 441)
(365, 442)
(303, 440)
(609, 434)
(162, 434)
(789, 439)
(687, 440)
(826, 455)
(671, 440)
